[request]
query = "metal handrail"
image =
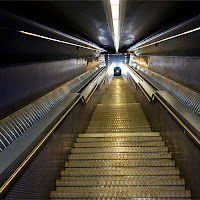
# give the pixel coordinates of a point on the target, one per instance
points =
(191, 134)
(143, 91)
(142, 84)
(90, 89)
(90, 95)
(176, 117)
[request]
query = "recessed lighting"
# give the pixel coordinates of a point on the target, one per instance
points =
(115, 19)
(55, 40)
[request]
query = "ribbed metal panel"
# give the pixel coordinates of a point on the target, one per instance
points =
(186, 96)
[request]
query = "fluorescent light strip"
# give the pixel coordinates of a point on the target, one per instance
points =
(148, 39)
(41, 26)
(169, 38)
(55, 40)
(115, 19)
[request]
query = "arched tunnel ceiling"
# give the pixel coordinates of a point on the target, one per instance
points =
(91, 19)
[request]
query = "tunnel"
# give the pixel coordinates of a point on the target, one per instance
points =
(100, 99)
(117, 71)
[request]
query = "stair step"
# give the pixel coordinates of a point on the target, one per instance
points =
(97, 123)
(119, 181)
(163, 184)
(119, 117)
(122, 104)
(125, 134)
(114, 126)
(158, 140)
(120, 144)
(123, 111)
(133, 187)
(114, 115)
(122, 198)
(121, 163)
(121, 171)
(117, 123)
(118, 192)
(118, 130)
(118, 149)
(120, 178)
(117, 156)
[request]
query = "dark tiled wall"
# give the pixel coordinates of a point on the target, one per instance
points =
(184, 70)
(21, 83)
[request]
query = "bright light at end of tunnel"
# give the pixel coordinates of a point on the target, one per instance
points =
(115, 19)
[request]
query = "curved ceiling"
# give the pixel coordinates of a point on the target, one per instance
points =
(91, 19)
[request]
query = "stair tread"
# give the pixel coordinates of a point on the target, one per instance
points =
(119, 181)
(117, 156)
(118, 192)
(120, 139)
(118, 149)
(119, 144)
(121, 171)
(120, 163)
(110, 134)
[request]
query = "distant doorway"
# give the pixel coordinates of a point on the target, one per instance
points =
(117, 71)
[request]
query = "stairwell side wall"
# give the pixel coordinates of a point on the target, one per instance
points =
(184, 151)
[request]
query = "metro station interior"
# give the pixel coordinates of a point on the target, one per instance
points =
(100, 100)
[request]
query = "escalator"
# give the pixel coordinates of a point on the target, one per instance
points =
(119, 157)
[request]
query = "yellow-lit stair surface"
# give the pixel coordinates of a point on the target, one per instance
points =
(119, 157)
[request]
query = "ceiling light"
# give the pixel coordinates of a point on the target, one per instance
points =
(46, 28)
(115, 19)
(115, 12)
(114, 2)
(55, 40)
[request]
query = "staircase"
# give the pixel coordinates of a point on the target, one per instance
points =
(119, 157)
